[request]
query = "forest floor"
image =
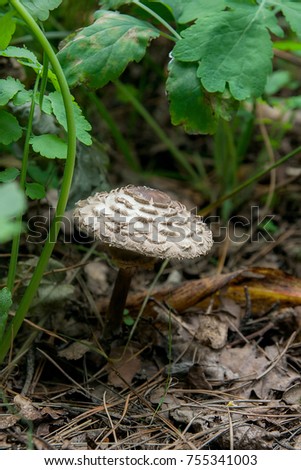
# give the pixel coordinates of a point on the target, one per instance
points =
(210, 355)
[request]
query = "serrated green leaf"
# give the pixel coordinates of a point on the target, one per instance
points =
(22, 97)
(10, 129)
(35, 191)
(27, 57)
(49, 146)
(100, 52)
(8, 175)
(194, 9)
(40, 9)
(7, 28)
(292, 13)
(231, 46)
(9, 87)
(189, 105)
(82, 125)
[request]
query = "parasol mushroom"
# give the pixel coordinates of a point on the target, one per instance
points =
(137, 225)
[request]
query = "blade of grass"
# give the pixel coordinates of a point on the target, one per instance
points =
(175, 152)
(249, 181)
(121, 142)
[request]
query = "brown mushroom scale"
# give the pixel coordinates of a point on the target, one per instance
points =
(137, 225)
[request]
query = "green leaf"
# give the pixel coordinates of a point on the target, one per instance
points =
(22, 97)
(5, 304)
(10, 129)
(234, 49)
(12, 201)
(35, 190)
(190, 105)
(128, 320)
(46, 176)
(24, 56)
(82, 125)
(8, 175)
(7, 28)
(5, 301)
(277, 80)
(176, 7)
(292, 13)
(49, 146)
(12, 204)
(40, 9)
(194, 9)
(9, 87)
(100, 52)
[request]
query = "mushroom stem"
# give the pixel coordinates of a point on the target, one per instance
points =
(117, 303)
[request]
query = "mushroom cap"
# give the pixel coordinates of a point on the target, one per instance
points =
(143, 221)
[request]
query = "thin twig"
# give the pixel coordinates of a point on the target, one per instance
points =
(109, 417)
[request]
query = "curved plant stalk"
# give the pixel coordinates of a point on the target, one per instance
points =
(175, 34)
(16, 240)
(66, 183)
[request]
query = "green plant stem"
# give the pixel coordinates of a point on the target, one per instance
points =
(16, 240)
(249, 181)
(178, 156)
(65, 188)
(158, 18)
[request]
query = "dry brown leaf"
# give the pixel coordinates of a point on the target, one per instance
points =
(248, 437)
(26, 409)
(97, 275)
(54, 413)
(250, 362)
(292, 396)
(40, 444)
(212, 331)
(6, 421)
(266, 287)
(124, 365)
(196, 378)
(75, 350)
(4, 442)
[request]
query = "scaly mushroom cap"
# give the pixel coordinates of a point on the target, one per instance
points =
(143, 221)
